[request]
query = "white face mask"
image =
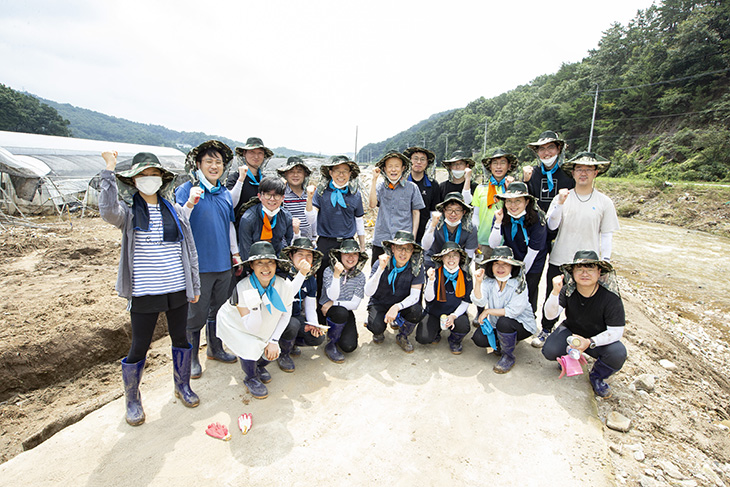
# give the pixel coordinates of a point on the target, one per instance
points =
(270, 213)
(518, 215)
(393, 181)
(549, 162)
(148, 184)
(503, 279)
(458, 174)
(451, 269)
(338, 186)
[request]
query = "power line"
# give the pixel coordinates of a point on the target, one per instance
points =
(664, 81)
(663, 116)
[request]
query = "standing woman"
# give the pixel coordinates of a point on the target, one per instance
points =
(158, 268)
(503, 294)
(594, 313)
(521, 225)
(453, 223)
(342, 292)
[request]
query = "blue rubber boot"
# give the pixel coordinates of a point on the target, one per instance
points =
(507, 342)
(334, 334)
(181, 358)
(285, 361)
(131, 376)
(455, 342)
(215, 350)
(598, 374)
(252, 382)
(406, 328)
(264, 375)
(194, 340)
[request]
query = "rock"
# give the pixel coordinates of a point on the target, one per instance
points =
(645, 382)
(684, 483)
(711, 475)
(671, 470)
(615, 448)
(725, 422)
(618, 422)
(647, 482)
(667, 364)
(639, 456)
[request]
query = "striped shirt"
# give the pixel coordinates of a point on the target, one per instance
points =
(350, 286)
(157, 265)
(297, 206)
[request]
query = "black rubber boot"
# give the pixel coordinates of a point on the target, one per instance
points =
(402, 337)
(285, 361)
(263, 373)
(195, 369)
(131, 376)
(215, 349)
(455, 342)
(507, 342)
(598, 374)
(181, 358)
(252, 382)
(333, 335)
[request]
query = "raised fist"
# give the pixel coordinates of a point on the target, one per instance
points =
(479, 275)
(383, 261)
(338, 270)
(563, 195)
(557, 284)
(242, 170)
(431, 273)
(110, 157)
(195, 193)
(526, 173)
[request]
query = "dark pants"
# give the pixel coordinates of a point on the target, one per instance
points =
(552, 271)
(614, 354)
(430, 326)
(348, 339)
(376, 316)
(215, 289)
(324, 245)
(504, 325)
(297, 324)
(533, 282)
(143, 327)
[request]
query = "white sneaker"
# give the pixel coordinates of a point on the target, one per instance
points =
(539, 339)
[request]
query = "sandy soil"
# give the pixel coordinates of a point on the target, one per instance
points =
(65, 330)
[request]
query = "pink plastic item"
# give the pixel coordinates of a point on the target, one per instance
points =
(217, 430)
(570, 366)
(245, 421)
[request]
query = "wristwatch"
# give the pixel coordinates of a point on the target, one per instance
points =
(592, 345)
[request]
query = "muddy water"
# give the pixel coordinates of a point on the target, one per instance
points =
(693, 266)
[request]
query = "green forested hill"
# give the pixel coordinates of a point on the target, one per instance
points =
(663, 100)
(23, 113)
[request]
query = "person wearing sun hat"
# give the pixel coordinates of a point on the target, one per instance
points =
(497, 167)
(342, 292)
(583, 217)
(244, 183)
(252, 322)
(594, 314)
(394, 289)
(421, 160)
(447, 294)
(520, 224)
(453, 223)
(548, 177)
(158, 268)
(499, 287)
(296, 174)
(335, 208)
(459, 168)
(304, 306)
(398, 200)
(215, 238)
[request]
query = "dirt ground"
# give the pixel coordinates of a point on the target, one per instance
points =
(64, 331)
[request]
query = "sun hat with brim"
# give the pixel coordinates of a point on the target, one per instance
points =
(587, 159)
(262, 251)
(452, 247)
(502, 254)
(293, 162)
(412, 150)
(402, 237)
(140, 162)
(517, 189)
(254, 143)
(545, 138)
(391, 154)
(191, 165)
(303, 243)
(454, 197)
(497, 153)
(457, 156)
(349, 246)
(586, 257)
(324, 169)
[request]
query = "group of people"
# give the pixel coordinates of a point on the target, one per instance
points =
(269, 264)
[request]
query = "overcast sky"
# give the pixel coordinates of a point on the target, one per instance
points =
(299, 74)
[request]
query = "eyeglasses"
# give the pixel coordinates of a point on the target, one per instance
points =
(454, 211)
(584, 169)
(271, 196)
(585, 267)
(211, 162)
(340, 172)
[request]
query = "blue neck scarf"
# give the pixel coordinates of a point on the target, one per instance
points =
(549, 174)
(270, 292)
(521, 223)
(394, 273)
(488, 331)
(499, 184)
(450, 277)
(171, 231)
(338, 195)
(252, 178)
(446, 233)
(205, 184)
(426, 181)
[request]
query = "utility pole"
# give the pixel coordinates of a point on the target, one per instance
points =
(593, 120)
(424, 142)
(446, 154)
(356, 143)
(484, 151)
